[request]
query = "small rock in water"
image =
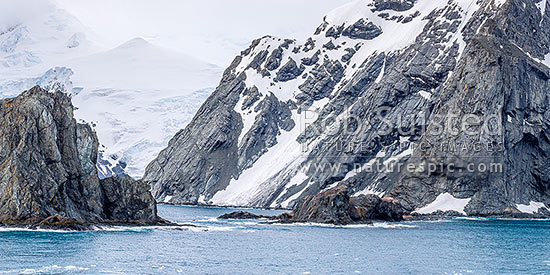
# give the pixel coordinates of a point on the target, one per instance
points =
(243, 215)
(335, 206)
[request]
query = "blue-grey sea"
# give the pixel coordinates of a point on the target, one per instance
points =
(464, 246)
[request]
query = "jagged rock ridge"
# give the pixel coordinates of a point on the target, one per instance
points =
(48, 168)
(405, 61)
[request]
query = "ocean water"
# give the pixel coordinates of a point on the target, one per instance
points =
(466, 246)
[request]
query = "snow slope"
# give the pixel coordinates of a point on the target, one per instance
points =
(532, 208)
(136, 95)
(281, 162)
(36, 40)
(138, 64)
(32, 43)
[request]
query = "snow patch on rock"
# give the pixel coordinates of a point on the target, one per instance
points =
(296, 180)
(532, 208)
(547, 60)
(168, 198)
(542, 7)
(426, 95)
(284, 154)
(445, 202)
(369, 191)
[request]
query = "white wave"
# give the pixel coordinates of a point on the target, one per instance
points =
(393, 225)
(248, 223)
(21, 229)
(374, 225)
(209, 219)
(243, 227)
(213, 228)
(56, 269)
(472, 218)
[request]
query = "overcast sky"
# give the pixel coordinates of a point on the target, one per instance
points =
(213, 30)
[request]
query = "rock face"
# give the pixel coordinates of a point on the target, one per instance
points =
(48, 167)
(126, 199)
(391, 82)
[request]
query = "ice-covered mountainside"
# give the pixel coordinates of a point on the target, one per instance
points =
(137, 95)
(255, 141)
(33, 42)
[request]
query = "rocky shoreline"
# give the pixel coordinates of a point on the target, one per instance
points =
(49, 180)
(288, 218)
(48, 170)
(69, 224)
(335, 206)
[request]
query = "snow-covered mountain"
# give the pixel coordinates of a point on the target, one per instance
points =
(372, 62)
(34, 41)
(136, 95)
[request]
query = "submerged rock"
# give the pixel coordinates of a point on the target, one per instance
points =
(48, 169)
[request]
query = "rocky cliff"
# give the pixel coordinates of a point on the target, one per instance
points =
(440, 105)
(48, 168)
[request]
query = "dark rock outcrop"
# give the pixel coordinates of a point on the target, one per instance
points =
(395, 5)
(243, 215)
(362, 30)
(48, 168)
(202, 148)
(310, 61)
(289, 71)
(274, 60)
(335, 206)
(322, 79)
(497, 79)
(128, 200)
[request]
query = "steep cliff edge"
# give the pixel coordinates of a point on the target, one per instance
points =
(496, 163)
(362, 101)
(48, 168)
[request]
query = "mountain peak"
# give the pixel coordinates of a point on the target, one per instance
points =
(135, 42)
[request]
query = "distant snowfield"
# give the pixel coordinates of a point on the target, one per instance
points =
(139, 96)
(137, 64)
(215, 30)
(32, 45)
(136, 96)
